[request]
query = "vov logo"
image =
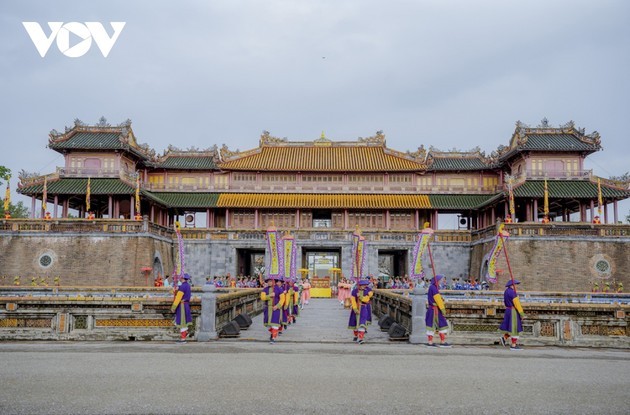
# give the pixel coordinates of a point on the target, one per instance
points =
(85, 31)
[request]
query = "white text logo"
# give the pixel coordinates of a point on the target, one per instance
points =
(85, 32)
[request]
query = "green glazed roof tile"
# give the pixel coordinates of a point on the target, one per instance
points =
(462, 201)
(188, 163)
(186, 200)
(458, 163)
(566, 189)
(90, 140)
(79, 186)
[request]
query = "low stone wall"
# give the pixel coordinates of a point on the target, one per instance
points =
(560, 319)
(119, 313)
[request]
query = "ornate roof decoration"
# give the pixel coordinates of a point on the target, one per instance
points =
(377, 139)
(456, 160)
(100, 136)
(544, 137)
(266, 139)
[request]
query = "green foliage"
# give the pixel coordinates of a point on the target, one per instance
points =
(4, 173)
(17, 210)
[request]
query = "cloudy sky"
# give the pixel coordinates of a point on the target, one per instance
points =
(451, 74)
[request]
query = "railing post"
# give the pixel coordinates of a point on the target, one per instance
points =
(208, 325)
(418, 313)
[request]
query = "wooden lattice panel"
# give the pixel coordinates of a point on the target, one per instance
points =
(26, 323)
(603, 330)
(547, 329)
(133, 322)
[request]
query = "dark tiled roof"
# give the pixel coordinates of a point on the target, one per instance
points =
(187, 163)
(185, 200)
(79, 186)
(554, 142)
(458, 163)
(459, 202)
(567, 189)
(90, 141)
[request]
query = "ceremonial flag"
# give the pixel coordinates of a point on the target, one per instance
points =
(290, 257)
(45, 195)
(273, 253)
(510, 185)
(359, 249)
(424, 237)
(87, 196)
(7, 196)
(599, 197)
(493, 256)
(179, 256)
(546, 201)
(138, 195)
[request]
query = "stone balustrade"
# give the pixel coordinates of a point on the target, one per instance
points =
(561, 319)
(109, 313)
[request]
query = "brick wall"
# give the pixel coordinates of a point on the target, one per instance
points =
(83, 260)
(559, 264)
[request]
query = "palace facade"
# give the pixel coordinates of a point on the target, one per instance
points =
(325, 188)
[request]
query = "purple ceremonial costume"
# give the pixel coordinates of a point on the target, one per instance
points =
(365, 316)
(275, 314)
(434, 320)
(183, 318)
(512, 323)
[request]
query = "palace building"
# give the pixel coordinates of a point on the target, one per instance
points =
(322, 190)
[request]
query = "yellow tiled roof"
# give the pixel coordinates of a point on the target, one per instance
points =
(322, 158)
(297, 200)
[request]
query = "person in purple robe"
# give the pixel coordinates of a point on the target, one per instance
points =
(360, 312)
(181, 308)
(512, 324)
(435, 320)
(273, 296)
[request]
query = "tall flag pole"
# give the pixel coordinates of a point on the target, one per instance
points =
(87, 195)
(7, 198)
(178, 271)
(599, 197)
(422, 244)
(138, 195)
(546, 200)
(45, 195)
(359, 248)
(499, 245)
(510, 185)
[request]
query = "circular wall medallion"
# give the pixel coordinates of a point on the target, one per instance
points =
(45, 260)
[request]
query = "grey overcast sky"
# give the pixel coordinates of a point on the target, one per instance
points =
(451, 74)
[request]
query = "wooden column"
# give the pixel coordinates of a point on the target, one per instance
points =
(616, 217)
(56, 203)
(33, 207)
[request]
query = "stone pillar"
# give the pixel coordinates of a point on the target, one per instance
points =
(208, 325)
(418, 313)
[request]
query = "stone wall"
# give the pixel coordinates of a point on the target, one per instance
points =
(559, 263)
(82, 259)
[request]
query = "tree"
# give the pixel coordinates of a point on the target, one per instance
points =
(17, 210)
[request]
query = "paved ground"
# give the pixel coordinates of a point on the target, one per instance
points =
(321, 321)
(331, 375)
